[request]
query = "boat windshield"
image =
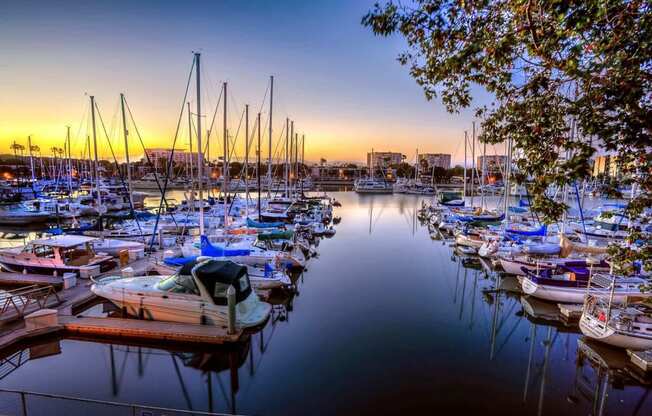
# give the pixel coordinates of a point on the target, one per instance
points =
(178, 284)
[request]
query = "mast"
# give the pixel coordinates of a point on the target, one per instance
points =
(225, 161)
(192, 174)
(296, 161)
(269, 148)
(69, 161)
(96, 171)
(200, 159)
(31, 157)
(246, 161)
(416, 167)
(303, 160)
(285, 164)
(258, 165)
(126, 136)
(466, 140)
(508, 172)
(371, 164)
(484, 170)
(473, 171)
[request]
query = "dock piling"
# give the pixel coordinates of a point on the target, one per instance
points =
(230, 295)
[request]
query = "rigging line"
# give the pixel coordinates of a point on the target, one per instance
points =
(235, 138)
(117, 166)
(174, 143)
(219, 100)
(149, 161)
(262, 103)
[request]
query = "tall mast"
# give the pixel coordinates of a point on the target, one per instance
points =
(126, 136)
(69, 161)
(96, 170)
(269, 149)
(508, 171)
(371, 166)
(285, 165)
(484, 170)
(473, 164)
(466, 140)
(192, 174)
(246, 161)
(200, 158)
(31, 159)
(416, 166)
(296, 160)
(225, 161)
(303, 154)
(258, 165)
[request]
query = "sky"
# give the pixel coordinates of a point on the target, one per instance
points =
(340, 84)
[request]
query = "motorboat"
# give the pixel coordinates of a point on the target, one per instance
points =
(19, 214)
(113, 246)
(197, 294)
(372, 186)
(56, 256)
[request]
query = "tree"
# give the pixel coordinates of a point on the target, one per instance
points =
(567, 77)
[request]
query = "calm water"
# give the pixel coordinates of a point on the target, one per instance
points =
(386, 321)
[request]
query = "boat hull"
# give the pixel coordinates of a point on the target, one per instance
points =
(599, 331)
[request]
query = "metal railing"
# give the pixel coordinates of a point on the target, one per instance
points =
(112, 408)
(21, 299)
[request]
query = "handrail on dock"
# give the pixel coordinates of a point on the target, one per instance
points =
(135, 409)
(22, 298)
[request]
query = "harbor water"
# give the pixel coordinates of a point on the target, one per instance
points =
(385, 321)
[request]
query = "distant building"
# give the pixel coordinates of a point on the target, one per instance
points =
(436, 160)
(495, 163)
(160, 156)
(606, 165)
(384, 159)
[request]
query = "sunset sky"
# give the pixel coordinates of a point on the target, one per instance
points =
(341, 84)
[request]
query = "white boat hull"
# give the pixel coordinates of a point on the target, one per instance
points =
(598, 330)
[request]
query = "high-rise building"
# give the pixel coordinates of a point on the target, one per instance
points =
(495, 163)
(440, 160)
(158, 156)
(384, 159)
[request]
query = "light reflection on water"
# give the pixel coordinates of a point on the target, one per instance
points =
(385, 321)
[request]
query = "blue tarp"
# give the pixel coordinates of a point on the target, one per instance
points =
(542, 231)
(178, 261)
(255, 224)
(208, 249)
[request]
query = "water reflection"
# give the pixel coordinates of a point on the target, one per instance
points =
(386, 320)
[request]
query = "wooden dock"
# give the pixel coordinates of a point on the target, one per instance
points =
(570, 311)
(147, 330)
(29, 279)
(642, 359)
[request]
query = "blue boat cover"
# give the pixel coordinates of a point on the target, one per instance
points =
(541, 231)
(255, 224)
(208, 249)
(178, 261)
(544, 248)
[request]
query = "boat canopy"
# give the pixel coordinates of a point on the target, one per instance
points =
(64, 241)
(217, 276)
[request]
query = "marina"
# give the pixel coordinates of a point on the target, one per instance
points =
(290, 208)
